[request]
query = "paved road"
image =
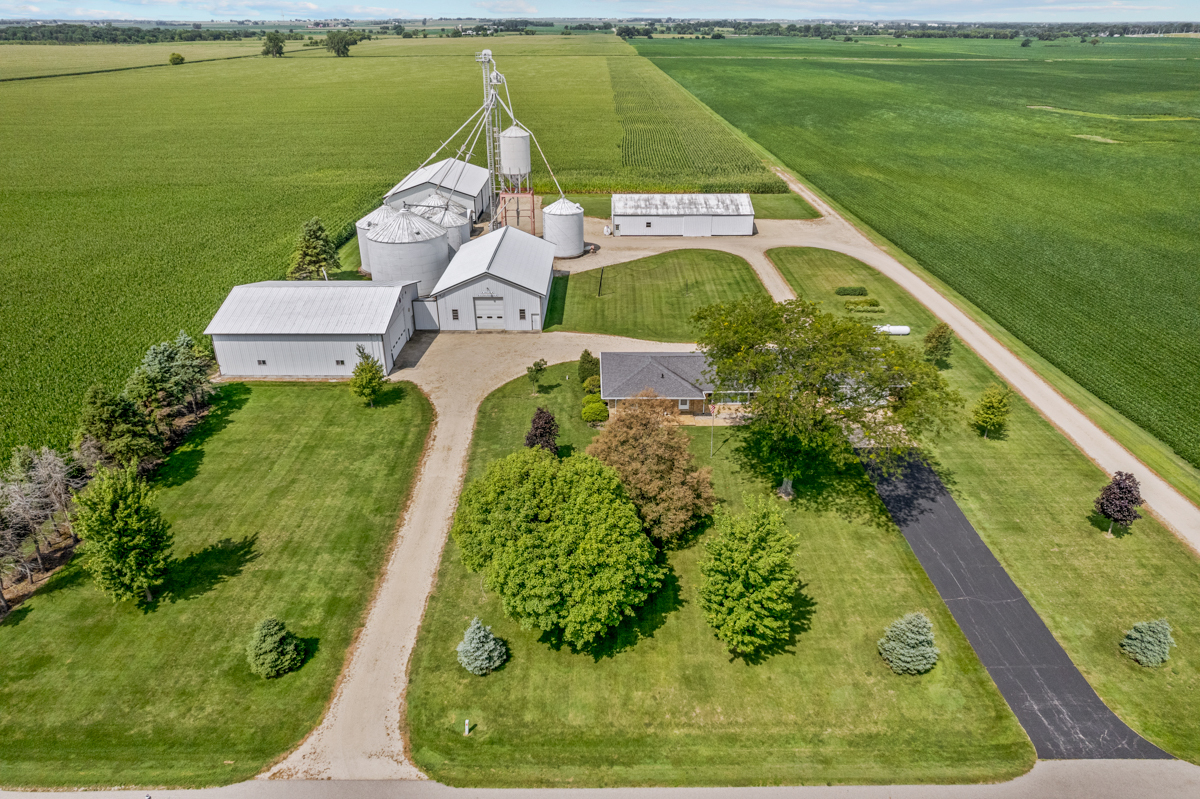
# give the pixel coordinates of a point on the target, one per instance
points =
(1063, 716)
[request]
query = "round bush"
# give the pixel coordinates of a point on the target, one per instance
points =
(273, 650)
(595, 412)
(1149, 642)
(175, 59)
(907, 645)
(480, 652)
(592, 385)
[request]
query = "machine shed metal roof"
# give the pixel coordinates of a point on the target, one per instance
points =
(682, 205)
(403, 227)
(283, 307)
(509, 254)
(673, 375)
(449, 173)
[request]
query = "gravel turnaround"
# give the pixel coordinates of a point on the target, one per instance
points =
(1063, 716)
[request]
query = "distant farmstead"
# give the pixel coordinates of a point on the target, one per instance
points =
(682, 215)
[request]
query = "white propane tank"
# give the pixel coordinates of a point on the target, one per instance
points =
(409, 247)
(514, 153)
(892, 330)
(562, 226)
(363, 226)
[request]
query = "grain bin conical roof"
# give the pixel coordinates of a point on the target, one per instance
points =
(437, 201)
(444, 217)
(563, 207)
(376, 217)
(404, 227)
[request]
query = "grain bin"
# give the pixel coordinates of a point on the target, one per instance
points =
(562, 226)
(406, 246)
(446, 213)
(363, 226)
(515, 162)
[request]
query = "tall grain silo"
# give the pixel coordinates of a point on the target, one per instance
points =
(363, 227)
(515, 163)
(407, 246)
(562, 226)
(444, 212)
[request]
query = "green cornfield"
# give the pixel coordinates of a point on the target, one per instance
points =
(1053, 186)
(133, 201)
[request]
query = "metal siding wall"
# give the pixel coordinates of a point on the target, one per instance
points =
(733, 226)
(463, 298)
(659, 225)
(697, 225)
(400, 329)
(425, 314)
(292, 356)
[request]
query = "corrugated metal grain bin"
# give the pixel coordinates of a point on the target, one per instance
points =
(446, 213)
(562, 226)
(407, 246)
(363, 226)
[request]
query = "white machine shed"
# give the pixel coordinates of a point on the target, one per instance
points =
(500, 281)
(281, 328)
(682, 215)
(466, 184)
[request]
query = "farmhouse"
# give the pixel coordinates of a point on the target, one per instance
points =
(281, 328)
(682, 215)
(676, 376)
(467, 184)
(499, 281)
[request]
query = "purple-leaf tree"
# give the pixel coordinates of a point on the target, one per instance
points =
(543, 431)
(1119, 500)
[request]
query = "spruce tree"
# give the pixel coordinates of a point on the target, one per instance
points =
(589, 366)
(273, 651)
(1149, 642)
(480, 652)
(368, 378)
(124, 434)
(992, 409)
(907, 645)
(314, 252)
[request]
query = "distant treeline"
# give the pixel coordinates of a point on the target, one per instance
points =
(109, 34)
(1047, 31)
(522, 24)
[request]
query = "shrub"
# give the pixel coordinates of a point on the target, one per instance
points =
(1149, 642)
(592, 385)
(175, 59)
(480, 652)
(543, 431)
(589, 366)
(870, 302)
(594, 412)
(589, 399)
(273, 650)
(907, 645)
(851, 291)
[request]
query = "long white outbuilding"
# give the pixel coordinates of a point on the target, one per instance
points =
(281, 328)
(682, 215)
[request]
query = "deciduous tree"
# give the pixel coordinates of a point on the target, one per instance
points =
(938, 343)
(559, 541)
(543, 431)
(368, 379)
(992, 409)
(748, 582)
(314, 252)
(338, 43)
(535, 372)
(1119, 500)
(273, 44)
(126, 540)
(643, 442)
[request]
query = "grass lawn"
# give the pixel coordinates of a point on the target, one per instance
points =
(1030, 497)
(766, 206)
(650, 298)
(283, 503)
(664, 703)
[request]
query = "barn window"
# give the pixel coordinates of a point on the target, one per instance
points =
(454, 314)
(340, 363)
(647, 224)
(522, 314)
(262, 363)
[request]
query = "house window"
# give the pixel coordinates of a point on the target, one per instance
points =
(340, 363)
(684, 405)
(262, 363)
(647, 224)
(454, 314)
(522, 314)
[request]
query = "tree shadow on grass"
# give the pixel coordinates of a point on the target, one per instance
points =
(184, 463)
(202, 571)
(309, 647)
(16, 616)
(392, 394)
(69, 576)
(803, 609)
(632, 629)
(1101, 524)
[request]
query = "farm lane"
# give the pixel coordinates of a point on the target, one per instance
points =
(834, 232)
(359, 738)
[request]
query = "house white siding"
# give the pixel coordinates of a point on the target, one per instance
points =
(515, 299)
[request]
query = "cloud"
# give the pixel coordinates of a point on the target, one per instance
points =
(508, 7)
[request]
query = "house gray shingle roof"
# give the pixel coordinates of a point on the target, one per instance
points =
(673, 375)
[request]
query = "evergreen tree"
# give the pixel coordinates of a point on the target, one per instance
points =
(126, 540)
(907, 645)
(992, 409)
(480, 652)
(592, 384)
(314, 252)
(273, 650)
(589, 366)
(1119, 500)
(1149, 642)
(368, 379)
(938, 343)
(543, 431)
(748, 582)
(115, 423)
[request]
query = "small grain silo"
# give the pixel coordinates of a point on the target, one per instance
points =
(364, 226)
(444, 212)
(407, 246)
(515, 163)
(562, 226)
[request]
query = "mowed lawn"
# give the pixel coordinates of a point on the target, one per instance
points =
(650, 298)
(283, 503)
(1029, 494)
(662, 703)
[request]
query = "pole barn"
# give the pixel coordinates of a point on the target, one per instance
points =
(682, 215)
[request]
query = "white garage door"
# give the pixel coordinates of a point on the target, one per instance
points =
(489, 314)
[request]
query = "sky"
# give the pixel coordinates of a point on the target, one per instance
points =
(932, 10)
